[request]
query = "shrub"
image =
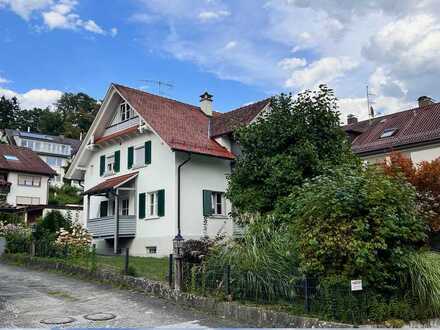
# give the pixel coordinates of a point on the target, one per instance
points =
(423, 280)
(77, 240)
(262, 262)
(194, 251)
(18, 237)
(48, 227)
(356, 223)
(66, 194)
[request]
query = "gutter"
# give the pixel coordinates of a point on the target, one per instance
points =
(178, 194)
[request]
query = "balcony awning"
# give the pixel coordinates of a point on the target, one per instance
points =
(110, 184)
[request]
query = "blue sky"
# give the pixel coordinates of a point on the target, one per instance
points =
(240, 51)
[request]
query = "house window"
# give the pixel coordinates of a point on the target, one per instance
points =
(110, 163)
(24, 200)
(151, 249)
(125, 111)
(124, 206)
(218, 203)
(10, 157)
(388, 132)
(54, 161)
(30, 181)
(139, 156)
(152, 204)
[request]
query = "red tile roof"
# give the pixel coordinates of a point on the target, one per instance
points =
(414, 126)
(183, 126)
(110, 184)
(225, 123)
(27, 161)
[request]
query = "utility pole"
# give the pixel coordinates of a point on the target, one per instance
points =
(369, 105)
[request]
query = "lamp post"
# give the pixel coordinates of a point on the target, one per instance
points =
(178, 256)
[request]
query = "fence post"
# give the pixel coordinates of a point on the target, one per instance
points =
(33, 249)
(170, 270)
(127, 257)
(306, 295)
(227, 280)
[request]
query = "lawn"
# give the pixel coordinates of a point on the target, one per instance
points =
(150, 268)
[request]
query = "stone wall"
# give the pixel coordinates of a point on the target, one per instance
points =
(249, 315)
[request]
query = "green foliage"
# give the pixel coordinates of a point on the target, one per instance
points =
(131, 271)
(8, 108)
(262, 262)
(48, 227)
(355, 222)
(17, 235)
(423, 280)
(297, 140)
(14, 218)
(66, 194)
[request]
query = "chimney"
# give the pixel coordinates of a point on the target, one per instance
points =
(424, 101)
(351, 119)
(206, 103)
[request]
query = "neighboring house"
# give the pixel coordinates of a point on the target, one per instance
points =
(155, 168)
(415, 133)
(56, 151)
(24, 181)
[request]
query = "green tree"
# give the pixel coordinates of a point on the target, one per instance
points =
(8, 110)
(297, 140)
(50, 122)
(77, 112)
(355, 222)
(28, 119)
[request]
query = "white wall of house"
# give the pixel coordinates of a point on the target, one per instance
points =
(37, 195)
(417, 155)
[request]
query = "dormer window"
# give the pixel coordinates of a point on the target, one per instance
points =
(125, 111)
(388, 132)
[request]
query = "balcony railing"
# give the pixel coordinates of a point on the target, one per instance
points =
(121, 126)
(105, 227)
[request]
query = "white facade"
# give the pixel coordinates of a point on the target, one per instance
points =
(26, 192)
(416, 154)
(149, 235)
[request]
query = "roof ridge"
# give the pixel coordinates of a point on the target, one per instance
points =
(155, 95)
(246, 106)
(391, 114)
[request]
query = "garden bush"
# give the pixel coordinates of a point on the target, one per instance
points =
(357, 223)
(48, 227)
(18, 237)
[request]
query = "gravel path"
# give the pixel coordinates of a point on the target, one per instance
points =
(28, 297)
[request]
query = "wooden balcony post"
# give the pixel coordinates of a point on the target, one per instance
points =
(88, 210)
(116, 216)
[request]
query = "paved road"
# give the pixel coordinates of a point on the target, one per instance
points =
(28, 296)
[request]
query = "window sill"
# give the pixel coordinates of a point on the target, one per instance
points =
(136, 167)
(152, 218)
(218, 216)
(106, 174)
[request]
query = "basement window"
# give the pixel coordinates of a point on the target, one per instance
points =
(151, 249)
(388, 132)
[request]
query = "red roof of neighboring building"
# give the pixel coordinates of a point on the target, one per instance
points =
(26, 161)
(225, 123)
(185, 127)
(415, 126)
(110, 184)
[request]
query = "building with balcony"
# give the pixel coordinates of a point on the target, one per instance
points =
(24, 182)
(56, 151)
(155, 169)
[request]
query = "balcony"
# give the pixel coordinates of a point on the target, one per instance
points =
(105, 227)
(123, 125)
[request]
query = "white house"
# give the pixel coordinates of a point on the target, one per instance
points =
(414, 133)
(56, 151)
(154, 168)
(24, 181)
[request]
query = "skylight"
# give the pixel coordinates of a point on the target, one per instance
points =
(388, 132)
(10, 157)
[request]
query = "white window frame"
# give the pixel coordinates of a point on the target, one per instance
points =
(110, 164)
(152, 204)
(29, 181)
(125, 209)
(215, 203)
(125, 111)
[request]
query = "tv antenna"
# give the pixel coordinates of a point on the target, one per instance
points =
(160, 85)
(370, 103)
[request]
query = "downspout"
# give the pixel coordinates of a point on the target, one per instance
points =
(178, 195)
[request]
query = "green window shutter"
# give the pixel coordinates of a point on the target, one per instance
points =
(130, 157)
(117, 165)
(142, 206)
(103, 211)
(102, 165)
(148, 152)
(207, 203)
(161, 203)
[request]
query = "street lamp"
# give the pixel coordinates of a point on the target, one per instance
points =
(178, 246)
(178, 256)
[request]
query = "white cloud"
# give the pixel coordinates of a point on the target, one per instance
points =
(323, 71)
(24, 8)
(38, 98)
(3, 80)
(292, 63)
(208, 16)
(56, 14)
